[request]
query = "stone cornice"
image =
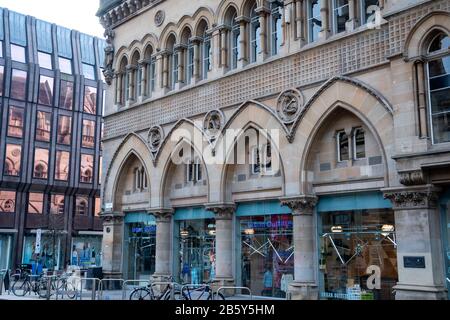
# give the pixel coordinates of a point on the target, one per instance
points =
(410, 198)
(300, 205)
(222, 210)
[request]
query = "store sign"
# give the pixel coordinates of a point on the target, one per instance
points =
(108, 207)
(270, 224)
(38, 241)
(147, 229)
(414, 262)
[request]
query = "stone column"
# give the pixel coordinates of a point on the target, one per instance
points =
(197, 58)
(300, 21)
(165, 70)
(143, 65)
(163, 242)
(263, 36)
(305, 285)
(112, 245)
(419, 244)
(324, 15)
(350, 25)
(243, 58)
(224, 34)
(421, 99)
(224, 241)
(180, 51)
(131, 74)
(118, 77)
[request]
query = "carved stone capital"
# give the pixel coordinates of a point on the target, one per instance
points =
(112, 218)
(421, 197)
(162, 215)
(300, 205)
(222, 211)
(412, 178)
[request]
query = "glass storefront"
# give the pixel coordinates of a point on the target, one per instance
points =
(86, 251)
(141, 242)
(5, 251)
(445, 211)
(267, 253)
(358, 255)
(50, 256)
(197, 250)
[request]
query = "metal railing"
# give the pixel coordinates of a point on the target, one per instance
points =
(165, 283)
(94, 287)
(125, 286)
(102, 286)
(235, 288)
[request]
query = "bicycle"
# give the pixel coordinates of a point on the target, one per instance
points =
(147, 292)
(25, 284)
(65, 285)
(204, 290)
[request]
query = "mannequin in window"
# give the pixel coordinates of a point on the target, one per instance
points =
(268, 282)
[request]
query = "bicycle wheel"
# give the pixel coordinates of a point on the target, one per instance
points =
(21, 287)
(217, 296)
(42, 288)
(70, 290)
(176, 296)
(141, 294)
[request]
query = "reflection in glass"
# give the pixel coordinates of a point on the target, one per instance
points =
(64, 129)
(15, 122)
(36, 203)
(81, 206)
(90, 99)
(341, 14)
(12, 159)
(57, 204)
(18, 53)
(315, 20)
(2, 71)
(45, 60)
(141, 249)
(46, 90)
(40, 164)
(98, 207)
(88, 134)
(43, 126)
(62, 165)
(66, 95)
(267, 254)
(370, 7)
(7, 201)
(89, 71)
(65, 65)
(87, 168)
(255, 34)
(18, 84)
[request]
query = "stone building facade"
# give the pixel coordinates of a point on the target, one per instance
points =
(334, 183)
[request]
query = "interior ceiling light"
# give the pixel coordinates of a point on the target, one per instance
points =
(336, 229)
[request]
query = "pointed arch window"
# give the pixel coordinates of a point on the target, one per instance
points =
(343, 146)
(359, 144)
(235, 42)
(255, 34)
(276, 28)
(206, 55)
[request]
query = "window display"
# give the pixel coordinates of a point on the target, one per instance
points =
(358, 255)
(86, 251)
(50, 254)
(267, 254)
(197, 250)
(5, 251)
(141, 249)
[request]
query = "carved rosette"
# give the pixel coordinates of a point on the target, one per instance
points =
(302, 205)
(155, 138)
(413, 198)
(222, 211)
(213, 123)
(412, 178)
(289, 105)
(159, 18)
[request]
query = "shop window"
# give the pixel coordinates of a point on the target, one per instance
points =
(267, 254)
(2, 74)
(197, 250)
(439, 88)
(90, 100)
(351, 243)
(46, 90)
(314, 20)
(276, 26)
(81, 206)
(45, 60)
(89, 71)
(57, 204)
(36, 203)
(51, 256)
(341, 14)
(87, 168)
(65, 65)
(66, 95)
(64, 129)
(13, 159)
(15, 122)
(194, 171)
(40, 164)
(86, 251)
(18, 53)
(261, 162)
(43, 126)
(141, 252)
(98, 207)
(255, 34)
(342, 146)
(7, 201)
(18, 84)
(359, 144)
(62, 165)
(88, 140)
(369, 9)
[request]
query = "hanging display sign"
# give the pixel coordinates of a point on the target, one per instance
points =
(37, 249)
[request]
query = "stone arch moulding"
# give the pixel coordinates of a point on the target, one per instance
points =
(414, 44)
(223, 8)
(131, 144)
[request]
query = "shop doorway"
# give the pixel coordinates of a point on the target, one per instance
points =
(445, 211)
(141, 250)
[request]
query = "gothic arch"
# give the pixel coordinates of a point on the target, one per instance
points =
(223, 9)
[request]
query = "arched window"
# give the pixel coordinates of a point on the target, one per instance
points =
(276, 28)
(439, 87)
(172, 61)
(151, 72)
(135, 77)
(188, 49)
(359, 144)
(86, 176)
(40, 171)
(81, 205)
(342, 146)
(122, 83)
(255, 34)
(234, 39)
(205, 49)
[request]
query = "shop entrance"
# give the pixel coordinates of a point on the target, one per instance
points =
(358, 255)
(141, 250)
(445, 211)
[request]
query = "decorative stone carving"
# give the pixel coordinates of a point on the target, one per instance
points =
(413, 198)
(108, 71)
(302, 205)
(112, 218)
(155, 138)
(222, 211)
(411, 178)
(213, 123)
(159, 18)
(289, 105)
(162, 215)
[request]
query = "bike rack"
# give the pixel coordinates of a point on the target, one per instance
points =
(234, 288)
(164, 283)
(195, 286)
(50, 280)
(125, 283)
(100, 294)
(94, 286)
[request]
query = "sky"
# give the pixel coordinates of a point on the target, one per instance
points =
(72, 14)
